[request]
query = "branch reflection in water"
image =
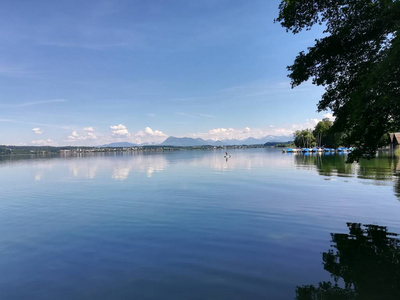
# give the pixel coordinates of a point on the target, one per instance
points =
(364, 264)
(383, 170)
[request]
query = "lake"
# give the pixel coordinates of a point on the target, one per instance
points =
(194, 225)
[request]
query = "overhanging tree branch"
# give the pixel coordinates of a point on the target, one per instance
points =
(357, 62)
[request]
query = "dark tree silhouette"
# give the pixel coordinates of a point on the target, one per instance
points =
(357, 61)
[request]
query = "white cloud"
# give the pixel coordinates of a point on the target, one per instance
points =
(309, 123)
(329, 116)
(233, 133)
(219, 131)
(90, 136)
(150, 132)
(88, 129)
(223, 134)
(120, 130)
(148, 136)
(87, 135)
(37, 130)
(47, 142)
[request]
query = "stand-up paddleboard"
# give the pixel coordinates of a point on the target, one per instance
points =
(227, 156)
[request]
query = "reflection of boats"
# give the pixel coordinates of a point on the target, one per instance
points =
(318, 150)
(344, 149)
(291, 150)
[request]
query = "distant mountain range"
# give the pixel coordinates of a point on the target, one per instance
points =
(174, 141)
(187, 142)
(120, 144)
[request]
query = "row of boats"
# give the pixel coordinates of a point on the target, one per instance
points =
(315, 149)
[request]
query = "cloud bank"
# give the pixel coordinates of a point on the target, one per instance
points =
(88, 136)
(47, 142)
(247, 132)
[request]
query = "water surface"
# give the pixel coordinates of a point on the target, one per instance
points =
(182, 224)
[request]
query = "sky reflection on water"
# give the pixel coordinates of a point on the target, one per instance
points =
(121, 165)
(187, 224)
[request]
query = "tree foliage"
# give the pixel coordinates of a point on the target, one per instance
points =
(304, 138)
(322, 132)
(357, 61)
(322, 136)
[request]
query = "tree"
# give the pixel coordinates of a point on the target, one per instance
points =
(304, 138)
(357, 61)
(321, 131)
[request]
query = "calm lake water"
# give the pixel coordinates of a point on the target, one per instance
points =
(186, 224)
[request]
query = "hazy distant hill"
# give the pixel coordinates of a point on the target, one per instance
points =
(119, 144)
(185, 141)
(255, 141)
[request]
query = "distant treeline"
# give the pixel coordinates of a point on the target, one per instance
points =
(279, 145)
(19, 150)
(7, 150)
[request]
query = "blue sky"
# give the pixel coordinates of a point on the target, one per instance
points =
(94, 72)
